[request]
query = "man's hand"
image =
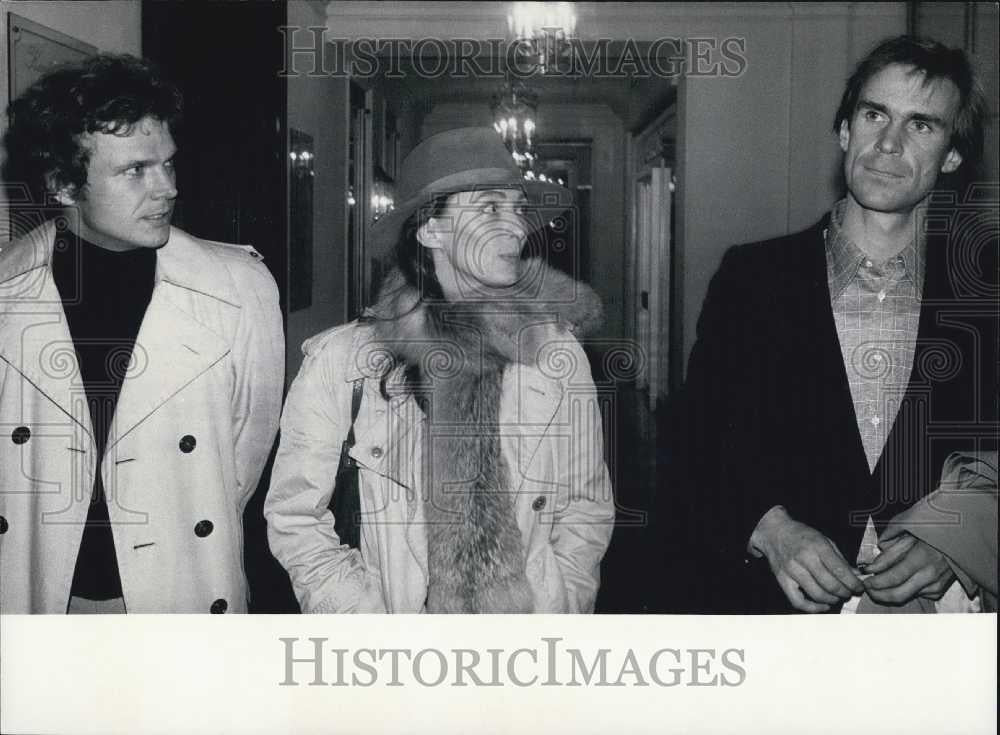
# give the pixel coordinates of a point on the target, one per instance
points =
(906, 569)
(808, 566)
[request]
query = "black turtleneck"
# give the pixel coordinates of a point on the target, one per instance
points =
(104, 295)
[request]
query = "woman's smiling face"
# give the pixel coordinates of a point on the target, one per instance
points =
(479, 235)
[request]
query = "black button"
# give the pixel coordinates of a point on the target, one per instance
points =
(3, 525)
(219, 607)
(203, 528)
(538, 503)
(20, 435)
(187, 443)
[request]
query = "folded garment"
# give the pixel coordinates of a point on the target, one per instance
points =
(959, 519)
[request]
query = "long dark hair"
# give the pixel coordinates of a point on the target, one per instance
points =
(413, 260)
(416, 265)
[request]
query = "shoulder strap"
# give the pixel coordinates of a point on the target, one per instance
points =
(233, 247)
(356, 394)
(345, 501)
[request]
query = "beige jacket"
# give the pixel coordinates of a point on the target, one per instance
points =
(195, 420)
(552, 442)
(959, 519)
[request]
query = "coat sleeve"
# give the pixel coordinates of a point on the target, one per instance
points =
(960, 520)
(327, 576)
(585, 512)
(709, 499)
(711, 439)
(259, 362)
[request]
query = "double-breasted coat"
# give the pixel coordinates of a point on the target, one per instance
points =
(194, 423)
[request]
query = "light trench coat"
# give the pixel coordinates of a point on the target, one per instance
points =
(194, 423)
(551, 440)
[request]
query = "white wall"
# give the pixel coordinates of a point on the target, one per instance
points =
(756, 153)
(113, 26)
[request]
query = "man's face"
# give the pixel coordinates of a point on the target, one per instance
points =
(129, 196)
(899, 139)
(482, 233)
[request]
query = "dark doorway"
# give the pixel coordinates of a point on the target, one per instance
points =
(232, 176)
(226, 58)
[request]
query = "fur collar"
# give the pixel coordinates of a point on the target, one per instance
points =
(475, 554)
(544, 296)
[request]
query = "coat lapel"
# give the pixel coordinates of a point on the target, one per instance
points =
(530, 406)
(173, 346)
(171, 350)
(39, 346)
(941, 374)
(34, 336)
(823, 333)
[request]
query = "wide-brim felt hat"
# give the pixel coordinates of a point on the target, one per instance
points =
(463, 159)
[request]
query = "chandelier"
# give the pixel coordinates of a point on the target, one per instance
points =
(547, 27)
(514, 111)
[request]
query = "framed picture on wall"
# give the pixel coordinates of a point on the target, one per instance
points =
(33, 49)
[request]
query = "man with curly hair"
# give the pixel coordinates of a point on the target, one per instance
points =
(140, 367)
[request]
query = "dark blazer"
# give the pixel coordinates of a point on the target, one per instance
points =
(766, 416)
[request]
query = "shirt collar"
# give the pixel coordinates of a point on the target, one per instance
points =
(844, 257)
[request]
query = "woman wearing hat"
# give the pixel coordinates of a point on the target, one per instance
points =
(477, 432)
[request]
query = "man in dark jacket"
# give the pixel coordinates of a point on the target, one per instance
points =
(835, 369)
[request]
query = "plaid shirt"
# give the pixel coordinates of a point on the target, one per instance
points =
(876, 308)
